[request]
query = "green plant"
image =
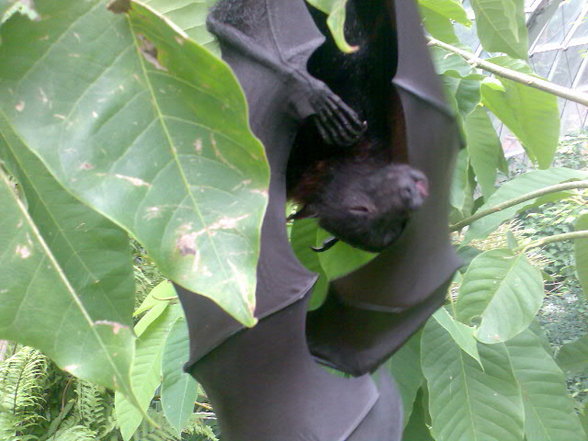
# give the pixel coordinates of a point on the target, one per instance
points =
(75, 181)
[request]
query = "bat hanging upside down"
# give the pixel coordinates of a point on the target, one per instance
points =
(342, 169)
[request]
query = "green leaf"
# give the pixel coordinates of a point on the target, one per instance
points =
(178, 390)
(466, 92)
(417, 429)
(190, 16)
(93, 253)
(573, 357)
(519, 186)
(462, 188)
(581, 253)
(466, 402)
(154, 304)
(40, 307)
(549, 411)
(336, 21)
(451, 9)
(159, 295)
(501, 26)
(405, 366)
(342, 258)
(303, 238)
(438, 26)
(161, 146)
(145, 372)
(531, 114)
(501, 293)
(462, 334)
(484, 149)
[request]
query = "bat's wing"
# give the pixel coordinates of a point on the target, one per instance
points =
(263, 382)
(373, 310)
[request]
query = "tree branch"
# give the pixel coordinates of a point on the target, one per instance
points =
(511, 202)
(519, 77)
(582, 234)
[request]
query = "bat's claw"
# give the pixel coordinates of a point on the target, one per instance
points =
(337, 123)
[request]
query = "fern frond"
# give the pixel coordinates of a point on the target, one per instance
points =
(75, 433)
(147, 432)
(23, 385)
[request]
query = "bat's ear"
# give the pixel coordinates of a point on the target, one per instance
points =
(307, 211)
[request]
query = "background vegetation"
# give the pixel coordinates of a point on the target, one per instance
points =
(118, 125)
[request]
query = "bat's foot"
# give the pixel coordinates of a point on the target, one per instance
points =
(337, 123)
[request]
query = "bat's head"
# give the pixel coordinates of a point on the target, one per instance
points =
(367, 204)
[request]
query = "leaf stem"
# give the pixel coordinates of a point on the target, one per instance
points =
(529, 80)
(582, 234)
(511, 202)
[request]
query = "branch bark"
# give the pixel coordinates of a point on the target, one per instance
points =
(511, 202)
(529, 80)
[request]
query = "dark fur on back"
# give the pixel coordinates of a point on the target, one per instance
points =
(357, 192)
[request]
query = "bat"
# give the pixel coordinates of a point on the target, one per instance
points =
(264, 382)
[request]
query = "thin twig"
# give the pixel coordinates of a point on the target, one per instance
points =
(582, 234)
(519, 77)
(511, 202)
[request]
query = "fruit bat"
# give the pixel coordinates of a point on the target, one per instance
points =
(264, 382)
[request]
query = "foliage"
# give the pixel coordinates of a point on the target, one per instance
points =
(143, 132)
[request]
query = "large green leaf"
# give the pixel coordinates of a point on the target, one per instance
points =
(146, 371)
(501, 293)
(549, 411)
(462, 334)
(149, 129)
(178, 390)
(40, 307)
(190, 16)
(531, 114)
(405, 366)
(519, 186)
(484, 149)
(573, 357)
(501, 26)
(466, 402)
(581, 253)
(93, 253)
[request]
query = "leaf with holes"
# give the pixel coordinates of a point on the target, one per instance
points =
(501, 293)
(190, 16)
(40, 306)
(150, 130)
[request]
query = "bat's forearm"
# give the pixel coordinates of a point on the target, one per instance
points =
(249, 47)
